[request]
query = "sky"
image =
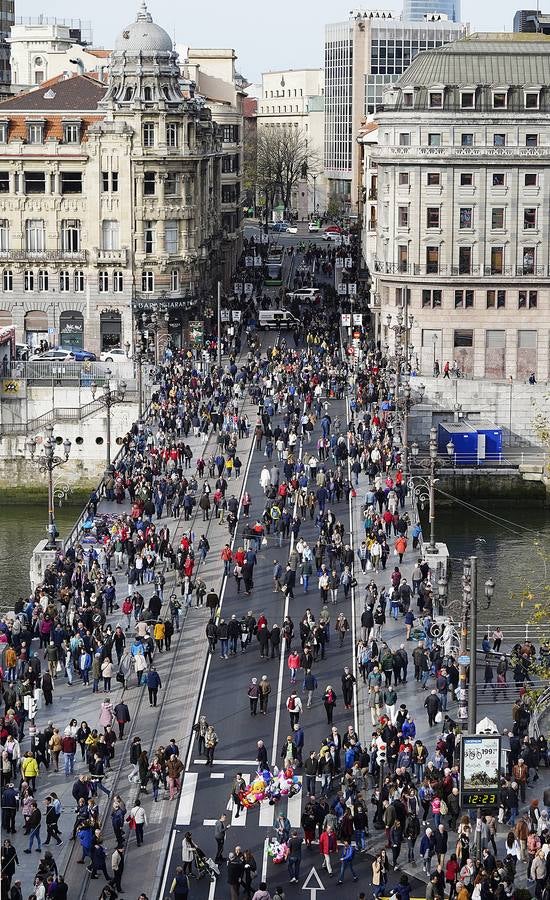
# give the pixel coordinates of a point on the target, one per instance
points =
(282, 35)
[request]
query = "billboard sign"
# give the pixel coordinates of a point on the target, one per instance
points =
(480, 771)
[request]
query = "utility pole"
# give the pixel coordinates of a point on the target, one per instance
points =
(472, 686)
(219, 318)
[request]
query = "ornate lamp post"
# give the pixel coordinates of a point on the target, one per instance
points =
(47, 461)
(423, 486)
(109, 398)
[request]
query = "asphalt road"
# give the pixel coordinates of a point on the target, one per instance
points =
(223, 700)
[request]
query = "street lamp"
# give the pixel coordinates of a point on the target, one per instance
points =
(423, 487)
(110, 398)
(138, 359)
(468, 700)
(47, 461)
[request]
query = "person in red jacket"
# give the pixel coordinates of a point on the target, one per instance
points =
(327, 845)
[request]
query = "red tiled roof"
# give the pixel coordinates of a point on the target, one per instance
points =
(76, 93)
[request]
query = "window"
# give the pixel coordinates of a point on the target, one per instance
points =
(497, 260)
(530, 179)
(118, 281)
(497, 217)
(105, 181)
(171, 184)
(28, 280)
(171, 236)
(531, 99)
(4, 182)
(408, 99)
(403, 179)
(528, 261)
(498, 179)
(149, 237)
(7, 280)
(463, 338)
(500, 99)
(433, 179)
(434, 139)
(174, 280)
(64, 281)
(149, 184)
(467, 140)
(467, 99)
(147, 282)
(464, 260)
(432, 217)
(464, 299)
(70, 235)
(466, 179)
(466, 217)
(4, 235)
(35, 239)
(4, 128)
(403, 257)
(527, 299)
(529, 218)
(404, 139)
(110, 235)
(71, 182)
(403, 216)
(35, 182)
(35, 133)
(436, 99)
(103, 281)
(114, 182)
(71, 132)
(78, 281)
(172, 136)
(147, 94)
(531, 140)
(43, 280)
(230, 133)
(431, 299)
(496, 299)
(432, 260)
(499, 140)
(527, 340)
(148, 133)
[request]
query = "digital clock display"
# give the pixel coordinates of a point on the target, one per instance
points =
(487, 798)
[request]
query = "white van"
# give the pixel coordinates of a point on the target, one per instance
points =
(276, 318)
(308, 293)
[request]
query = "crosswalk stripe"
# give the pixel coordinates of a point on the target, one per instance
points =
(267, 815)
(241, 821)
(187, 798)
(294, 812)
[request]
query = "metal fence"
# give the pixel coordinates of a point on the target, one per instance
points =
(60, 414)
(42, 371)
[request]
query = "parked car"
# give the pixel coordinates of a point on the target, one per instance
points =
(81, 355)
(313, 226)
(53, 356)
(115, 354)
(292, 229)
(280, 227)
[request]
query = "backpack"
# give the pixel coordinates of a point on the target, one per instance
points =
(291, 703)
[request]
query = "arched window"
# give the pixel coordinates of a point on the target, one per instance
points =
(147, 93)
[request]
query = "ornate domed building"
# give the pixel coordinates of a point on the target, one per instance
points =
(111, 200)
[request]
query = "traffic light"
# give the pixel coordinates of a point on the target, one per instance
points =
(381, 754)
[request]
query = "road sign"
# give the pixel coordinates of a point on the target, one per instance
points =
(313, 884)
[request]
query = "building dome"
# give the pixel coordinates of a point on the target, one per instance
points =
(144, 35)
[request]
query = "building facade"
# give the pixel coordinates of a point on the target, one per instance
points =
(213, 72)
(109, 200)
(362, 57)
(462, 169)
(7, 18)
(46, 47)
(416, 10)
(532, 21)
(295, 99)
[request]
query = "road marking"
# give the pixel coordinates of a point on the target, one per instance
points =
(217, 775)
(229, 762)
(267, 813)
(241, 821)
(167, 866)
(294, 810)
(187, 798)
(265, 860)
(212, 891)
(209, 821)
(316, 884)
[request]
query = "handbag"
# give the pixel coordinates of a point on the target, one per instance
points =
(59, 667)
(264, 542)
(131, 823)
(439, 716)
(368, 567)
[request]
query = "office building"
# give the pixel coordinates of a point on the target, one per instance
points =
(417, 10)
(532, 21)
(362, 56)
(462, 168)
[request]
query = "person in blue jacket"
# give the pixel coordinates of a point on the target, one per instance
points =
(346, 862)
(153, 684)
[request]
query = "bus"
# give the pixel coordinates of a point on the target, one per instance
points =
(274, 267)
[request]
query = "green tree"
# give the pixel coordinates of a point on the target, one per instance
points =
(284, 157)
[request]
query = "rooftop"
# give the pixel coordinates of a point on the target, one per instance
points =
(59, 94)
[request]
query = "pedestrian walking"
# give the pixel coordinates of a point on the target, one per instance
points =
(153, 685)
(137, 820)
(220, 831)
(329, 701)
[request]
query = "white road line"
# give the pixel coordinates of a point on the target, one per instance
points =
(228, 762)
(267, 815)
(284, 649)
(209, 822)
(217, 775)
(212, 891)
(294, 810)
(241, 821)
(353, 590)
(265, 860)
(167, 867)
(187, 798)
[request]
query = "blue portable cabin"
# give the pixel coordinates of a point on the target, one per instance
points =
(465, 440)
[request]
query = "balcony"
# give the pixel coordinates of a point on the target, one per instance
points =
(111, 257)
(381, 152)
(39, 256)
(382, 267)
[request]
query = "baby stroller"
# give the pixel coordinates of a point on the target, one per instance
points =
(205, 865)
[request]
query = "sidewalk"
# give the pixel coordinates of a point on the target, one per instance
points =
(178, 669)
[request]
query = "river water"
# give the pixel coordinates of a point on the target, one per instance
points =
(505, 550)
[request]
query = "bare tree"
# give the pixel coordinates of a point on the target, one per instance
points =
(284, 157)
